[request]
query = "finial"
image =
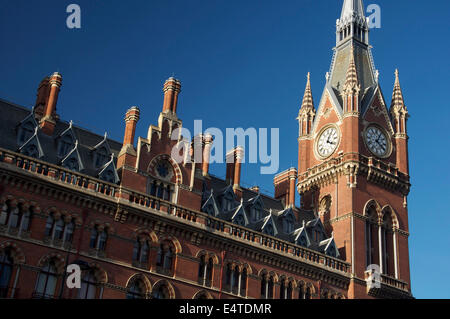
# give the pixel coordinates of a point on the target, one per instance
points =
(396, 75)
(308, 76)
(303, 223)
(106, 135)
(242, 200)
(70, 123)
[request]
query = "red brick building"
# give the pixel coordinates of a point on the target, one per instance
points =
(144, 226)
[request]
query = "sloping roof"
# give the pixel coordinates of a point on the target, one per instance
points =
(9, 128)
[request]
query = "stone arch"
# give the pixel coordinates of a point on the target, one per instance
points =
(173, 240)
(145, 280)
(387, 209)
(16, 252)
(12, 200)
(325, 206)
(249, 268)
(146, 232)
(175, 166)
(100, 274)
(168, 285)
(201, 293)
(311, 286)
(372, 204)
(59, 261)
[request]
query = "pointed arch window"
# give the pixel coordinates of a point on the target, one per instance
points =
(99, 238)
(372, 252)
(136, 290)
(141, 251)
(46, 282)
(205, 271)
(288, 224)
(164, 258)
(89, 285)
(243, 291)
(161, 292)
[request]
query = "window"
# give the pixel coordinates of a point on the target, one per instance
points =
(66, 144)
(99, 237)
(205, 271)
(232, 279)
(161, 292)
(267, 283)
(255, 213)
(269, 230)
(59, 229)
(288, 224)
(6, 268)
(301, 291)
(4, 215)
(308, 293)
(101, 157)
(372, 236)
(243, 291)
(31, 150)
(283, 290)
(164, 258)
(239, 220)
(26, 131)
(136, 290)
(46, 283)
(141, 251)
(72, 164)
(89, 286)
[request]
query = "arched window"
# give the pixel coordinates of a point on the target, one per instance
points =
(99, 237)
(267, 283)
(308, 293)
(235, 280)
(49, 225)
(164, 259)
(243, 291)
(89, 286)
(4, 215)
(161, 292)
(6, 268)
(69, 230)
(136, 290)
(372, 252)
(301, 291)
(289, 290)
(46, 283)
(59, 229)
(387, 240)
(255, 213)
(141, 251)
(283, 290)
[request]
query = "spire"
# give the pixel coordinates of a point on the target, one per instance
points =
(353, 23)
(351, 85)
(308, 102)
(307, 112)
(352, 8)
(398, 103)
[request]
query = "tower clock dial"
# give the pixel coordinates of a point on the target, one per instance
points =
(328, 142)
(377, 141)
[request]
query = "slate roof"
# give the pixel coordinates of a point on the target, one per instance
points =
(271, 209)
(13, 117)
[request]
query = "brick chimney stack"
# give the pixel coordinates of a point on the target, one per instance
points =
(42, 98)
(285, 186)
(48, 121)
(172, 87)
(234, 163)
(127, 155)
(208, 141)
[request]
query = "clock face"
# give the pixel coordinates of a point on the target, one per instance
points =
(328, 142)
(377, 141)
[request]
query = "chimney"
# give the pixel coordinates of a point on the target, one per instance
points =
(42, 98)
(131, 118)
(172, 88)
(208, 141)
(239, 155)
(127, 155)
(48, 122)
(284, 184)
(234, 162)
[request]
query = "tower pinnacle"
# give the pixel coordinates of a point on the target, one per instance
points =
(353, 23)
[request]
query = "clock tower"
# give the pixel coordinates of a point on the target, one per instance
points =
(353, 161)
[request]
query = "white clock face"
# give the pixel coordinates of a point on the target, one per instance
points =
(377, 141)
(328, 142)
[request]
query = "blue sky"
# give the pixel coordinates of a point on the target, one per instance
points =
(242, 63)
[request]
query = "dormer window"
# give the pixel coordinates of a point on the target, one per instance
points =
(101, 157)
(288, 224)
(26, 131)
(31, 151)
(227, 202)
(66, 144)
(239, 220)
(256, 213)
